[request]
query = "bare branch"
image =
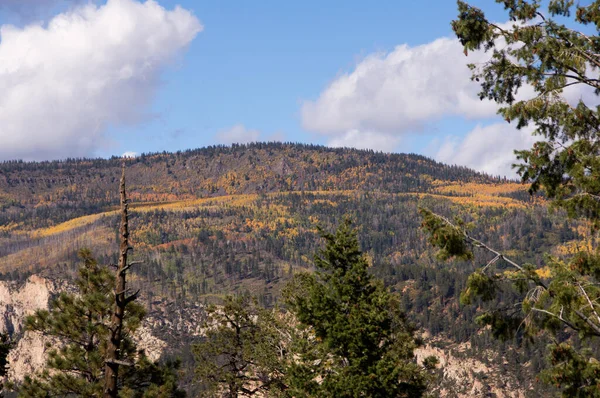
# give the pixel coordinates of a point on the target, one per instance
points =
(559, 317)
(482, 245)
(582, 290)
(118, 362)
(129, 266)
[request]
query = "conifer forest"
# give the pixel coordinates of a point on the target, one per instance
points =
(288, 269)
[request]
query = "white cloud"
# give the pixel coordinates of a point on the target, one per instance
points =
(63, 84)
(400, 92)
(237, 134)
(130, 154)
(486, 148)
(366, 140)
(410, 89)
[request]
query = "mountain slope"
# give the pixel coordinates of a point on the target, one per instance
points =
(219, 220)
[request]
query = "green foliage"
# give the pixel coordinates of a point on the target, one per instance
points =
(361, 343)
(77, 325)
(5, 345)
(575, 372)
(241, 352)
(479, 285)
(549, 56)
(562, 299)
(450, 241)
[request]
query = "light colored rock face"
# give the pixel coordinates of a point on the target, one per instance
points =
(18, 302)
(463, 376)
(29, 355)
(151, 345)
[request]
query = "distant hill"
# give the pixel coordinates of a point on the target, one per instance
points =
(220, 220)
(87, 185)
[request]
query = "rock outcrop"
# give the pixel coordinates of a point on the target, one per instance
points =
(29, 355)
(16, 302)
(462, 376)
(459, 374)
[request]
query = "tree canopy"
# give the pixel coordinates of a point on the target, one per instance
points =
(342, 334)
(242, 352)
(78, 327)
(542, 52)
(362, 344)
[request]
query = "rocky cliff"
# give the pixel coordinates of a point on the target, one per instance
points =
(462, 376)
(28, 356)
(16, 302)
(459, 374)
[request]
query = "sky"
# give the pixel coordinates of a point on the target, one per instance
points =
(83, 78)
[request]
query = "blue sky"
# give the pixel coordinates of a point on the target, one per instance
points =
(187, 74)
(256, 62)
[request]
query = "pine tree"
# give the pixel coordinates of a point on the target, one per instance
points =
(359, 342)
(77, 325)
(242, 352)
(549, 56)
(91, 330)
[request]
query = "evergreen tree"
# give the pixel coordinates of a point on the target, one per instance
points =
(5, 346)
(78, 327)
(359, 342)
(241, 354)
(563, 298)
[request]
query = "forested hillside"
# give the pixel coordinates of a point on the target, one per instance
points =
(237, 219)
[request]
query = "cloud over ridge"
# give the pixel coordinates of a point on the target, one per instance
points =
(399, 91)
(90, 68)
(408, 90)
(237, 134)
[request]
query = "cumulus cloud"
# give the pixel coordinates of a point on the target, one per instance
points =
(486, 148)
(398, 92)
(130, 154)
(65, 83)
(237, 134)
(366, 140)
(407, 91)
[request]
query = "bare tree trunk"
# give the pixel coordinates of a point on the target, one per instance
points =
(113, 360)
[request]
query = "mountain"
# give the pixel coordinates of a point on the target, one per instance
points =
(220, 220)
(84, 186)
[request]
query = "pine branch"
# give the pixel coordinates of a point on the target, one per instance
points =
(595, 328)
(482, 245)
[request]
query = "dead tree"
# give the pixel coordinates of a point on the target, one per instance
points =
(113, 360)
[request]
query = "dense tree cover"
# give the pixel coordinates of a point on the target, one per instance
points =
(255, 244)
(42, 194)
(343, 335)
(195, 249)
(78, 326)
(561, 297)
(363, 345)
